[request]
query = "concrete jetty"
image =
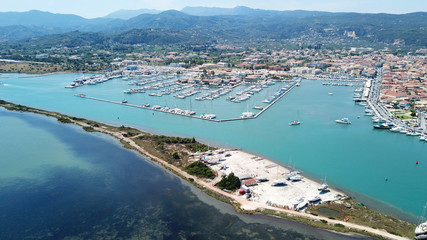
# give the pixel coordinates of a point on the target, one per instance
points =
(192, 116)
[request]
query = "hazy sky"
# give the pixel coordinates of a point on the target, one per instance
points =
(99, 8)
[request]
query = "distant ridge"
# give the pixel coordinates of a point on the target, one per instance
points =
(128, 14)
(216, 11)
(233, 24)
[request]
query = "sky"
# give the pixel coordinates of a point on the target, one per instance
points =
(100, 8)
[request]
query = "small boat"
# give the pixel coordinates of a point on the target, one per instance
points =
(258, 107)
(343, 121)
(298, 200)
(421, 231)
(294, 123)
(262, 179)
(324, 186)
(279, 182)
(124, 101)
(403, 131)
(295, 178)
(382, 126)
(330, 93)
(396, 129)
(301, 205)
(314, 198)
(247, 115)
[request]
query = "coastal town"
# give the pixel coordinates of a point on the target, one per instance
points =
(393, 88)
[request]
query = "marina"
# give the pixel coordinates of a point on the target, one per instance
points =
(310, 104)
(209, 117)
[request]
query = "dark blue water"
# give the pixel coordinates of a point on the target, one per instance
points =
(72, 185)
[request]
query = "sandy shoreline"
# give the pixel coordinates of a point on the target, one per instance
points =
(282, 196)
(238, 161)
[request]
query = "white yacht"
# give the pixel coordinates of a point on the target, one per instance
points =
(324, 186)
(396, 129)
(247, 115)
(343, 121)
(421, 231)
(298, 200)
(314, 198)
(294, 123)
(279, 182)
(295, 178)
(301, 205)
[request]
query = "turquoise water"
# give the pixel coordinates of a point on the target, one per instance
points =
(354, 158)
(58, 182)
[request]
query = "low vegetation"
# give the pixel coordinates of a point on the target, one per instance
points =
(353, 212)
(64, 120)
(200, 169)
(32, 68)
(231, 182)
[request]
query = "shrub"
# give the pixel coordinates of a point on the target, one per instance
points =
(175, 155)
(230, 182)
(200, 169)
(339, 225)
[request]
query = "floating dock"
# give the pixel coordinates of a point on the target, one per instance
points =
(192, 116)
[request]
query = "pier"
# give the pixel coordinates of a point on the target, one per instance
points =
(192, 116)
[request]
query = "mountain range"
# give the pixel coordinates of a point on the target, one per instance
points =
(219, 23)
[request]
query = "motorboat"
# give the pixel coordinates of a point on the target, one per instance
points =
(279, 182)
(421, 231)
(258, 107)
(298, 200)
(301, 205)
(247, 115)
(124, 101)
(396, 129)
(323, 187)
(262, 179)
(295, 178)
(294, 123)
(343, 121)
(382, 126)
(314, 198)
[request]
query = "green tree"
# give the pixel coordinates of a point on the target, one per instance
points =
(175, 155)
(200, 169)
(231, 182)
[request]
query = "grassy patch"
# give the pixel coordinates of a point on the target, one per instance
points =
(362, 215)
(32, 68)
(88, 129)
(64, 120)
(200, 169)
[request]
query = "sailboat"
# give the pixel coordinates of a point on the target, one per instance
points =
(294, 123)
(323, 187)
(421, 229)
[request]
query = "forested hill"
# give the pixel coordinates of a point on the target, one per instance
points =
(207, 25)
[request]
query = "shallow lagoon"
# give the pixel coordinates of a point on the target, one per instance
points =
(58, 182)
